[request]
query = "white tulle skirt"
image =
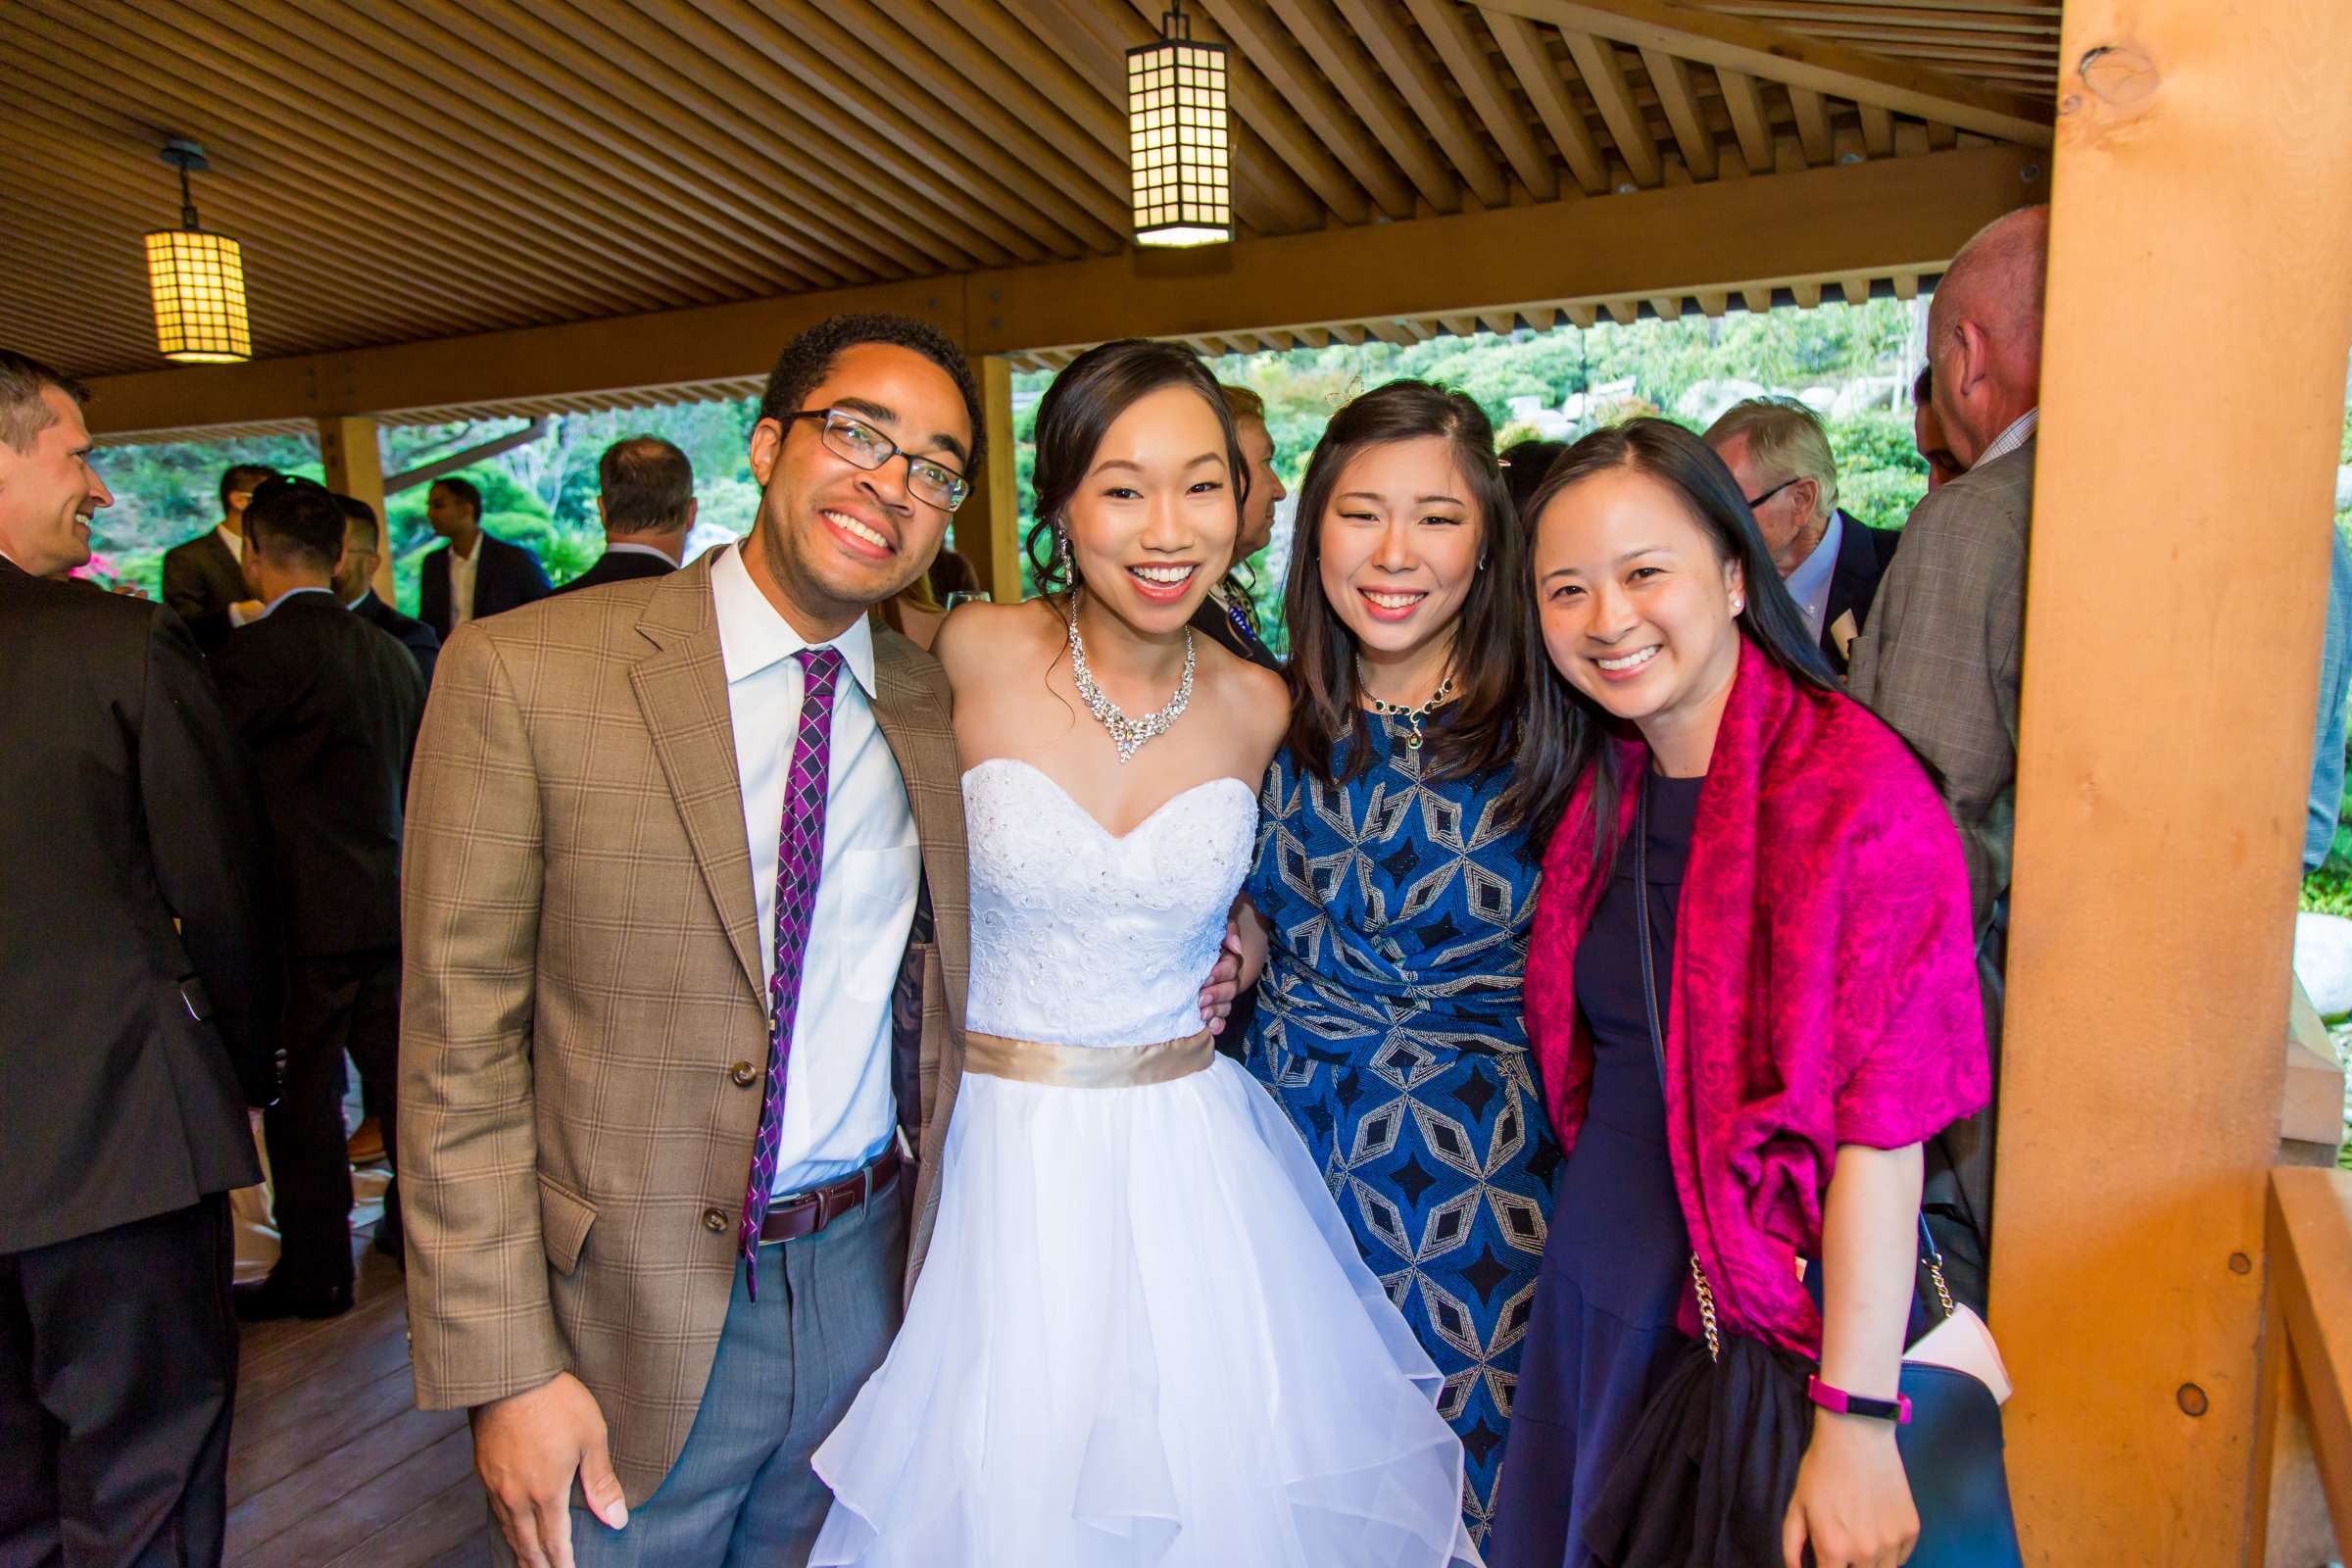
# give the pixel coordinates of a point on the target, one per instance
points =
(1143, 1336)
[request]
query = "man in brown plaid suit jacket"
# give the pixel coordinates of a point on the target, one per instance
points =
(1940, 657)
(593, 848)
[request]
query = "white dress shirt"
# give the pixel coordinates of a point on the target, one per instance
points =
(461, 569)
(2021, 430)
(1809, 583)
(839, 1113)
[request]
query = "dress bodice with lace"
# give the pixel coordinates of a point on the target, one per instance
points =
(1080, 937)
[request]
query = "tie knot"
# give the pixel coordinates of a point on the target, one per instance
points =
(820, 665)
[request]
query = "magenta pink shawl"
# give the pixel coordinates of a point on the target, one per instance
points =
(1824, 988)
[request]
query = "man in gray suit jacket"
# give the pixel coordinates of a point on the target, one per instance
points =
(1940, 655)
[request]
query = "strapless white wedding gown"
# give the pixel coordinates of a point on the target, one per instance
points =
(1142, 1335)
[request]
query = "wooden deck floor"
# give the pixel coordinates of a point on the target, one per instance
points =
(331, 1466)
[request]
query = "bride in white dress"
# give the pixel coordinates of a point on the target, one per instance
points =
(1143, 1334)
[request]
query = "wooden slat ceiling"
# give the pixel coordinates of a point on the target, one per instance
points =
(402, 169)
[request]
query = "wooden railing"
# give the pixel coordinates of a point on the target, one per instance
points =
(2304, 1416)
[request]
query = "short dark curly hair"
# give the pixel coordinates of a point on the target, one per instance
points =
(808, 357)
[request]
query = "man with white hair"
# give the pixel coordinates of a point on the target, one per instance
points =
(1940, 657)
(1779, 456)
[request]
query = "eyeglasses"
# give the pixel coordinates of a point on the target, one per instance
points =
(1754, 502)
(850, 438)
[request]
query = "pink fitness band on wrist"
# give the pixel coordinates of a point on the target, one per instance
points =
(1896, 1409)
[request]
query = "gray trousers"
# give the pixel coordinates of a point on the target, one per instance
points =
(788, 1367)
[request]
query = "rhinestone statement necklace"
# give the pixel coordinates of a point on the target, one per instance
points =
(1128, 734)
(1412, 717)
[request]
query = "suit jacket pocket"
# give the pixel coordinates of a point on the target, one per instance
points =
(564, 1220)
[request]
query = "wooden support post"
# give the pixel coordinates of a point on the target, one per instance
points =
(988, 525)
(2173, 614)
(354, 461)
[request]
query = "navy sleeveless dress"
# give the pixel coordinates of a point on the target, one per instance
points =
(1618, 1253)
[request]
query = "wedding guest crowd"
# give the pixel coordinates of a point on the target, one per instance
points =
(1557, 1147)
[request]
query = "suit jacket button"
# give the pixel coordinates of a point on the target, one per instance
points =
(714, 1219)
(745, 1075)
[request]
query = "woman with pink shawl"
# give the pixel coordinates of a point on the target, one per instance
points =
(1815, 986)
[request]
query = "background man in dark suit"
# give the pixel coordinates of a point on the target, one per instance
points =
(647, 503)
(474, 575)
(1227, 614)
(204, 582)
(1779, 456)
(328, 706)
(363, 549)
(140, 993)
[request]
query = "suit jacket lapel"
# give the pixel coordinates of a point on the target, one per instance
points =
(682, 690)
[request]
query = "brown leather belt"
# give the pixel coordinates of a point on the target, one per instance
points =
(807, 1213)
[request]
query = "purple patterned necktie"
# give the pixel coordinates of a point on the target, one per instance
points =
(800, 858)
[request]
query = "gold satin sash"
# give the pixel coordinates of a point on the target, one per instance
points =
(1031, 1061)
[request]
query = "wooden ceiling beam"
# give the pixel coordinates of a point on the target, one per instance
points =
(1099, 188)
(1384, 33)
(1327, 41)
(500, 93)
(917, 25)
(1878, 132)
(1529, 56)
(609, 129)
(1752, 122)
(1613, 96)
(603, 104)
(1024, 213)
(1877, 218)
(1276, 56)
(1793, 59)
(1670, 78)
(1461, 44)
(91, 59)
(853, 170)
(537, 199)
(1812, 123)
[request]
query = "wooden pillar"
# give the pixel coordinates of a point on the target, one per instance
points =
(355, 466)
(2199, 309)
(987, 526)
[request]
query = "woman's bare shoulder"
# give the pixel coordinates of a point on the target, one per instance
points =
(1253, 698)
(977, 638)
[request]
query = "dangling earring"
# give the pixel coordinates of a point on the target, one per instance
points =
(1061, 554)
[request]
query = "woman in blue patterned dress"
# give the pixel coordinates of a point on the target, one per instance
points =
(1395, 893)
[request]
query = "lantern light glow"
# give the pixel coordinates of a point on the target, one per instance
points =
(1178, 137)
(197, 281)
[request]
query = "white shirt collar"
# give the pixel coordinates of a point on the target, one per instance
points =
(272, 607)
(2020, 431)
(234, 541)
(629, 547)
(752, 635)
